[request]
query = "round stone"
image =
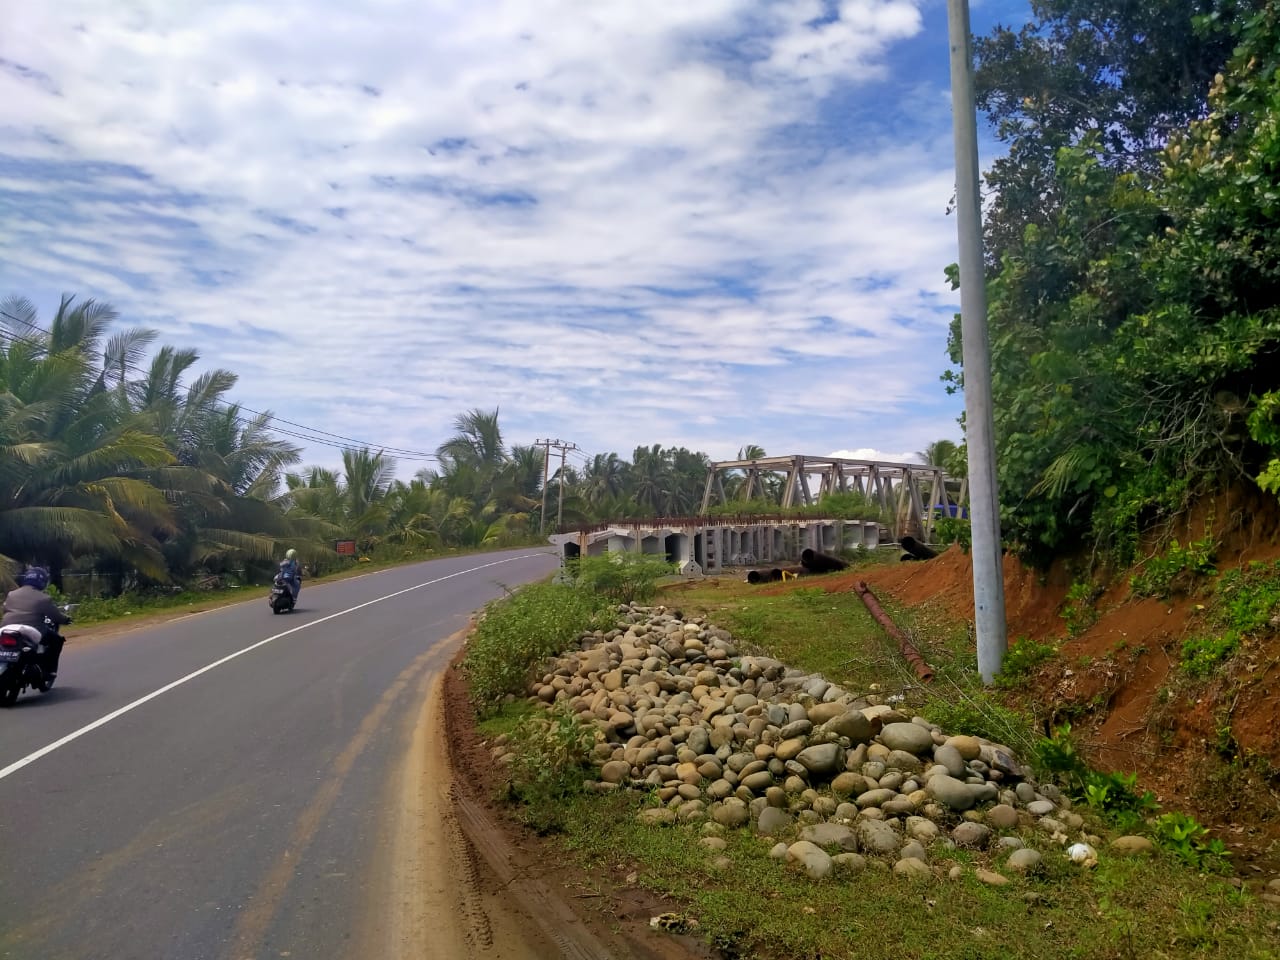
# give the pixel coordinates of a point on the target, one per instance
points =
(952, 792)
(1002, 817)
(1133, 846)
(912, 868)
(968, 747)
(816, 862)
(1024, 861)
(974, 835)
(950, 758)
(909, 737)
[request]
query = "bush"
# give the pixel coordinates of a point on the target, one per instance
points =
(520, 631)
(1188, 840)
(621, 577)
(949, 530)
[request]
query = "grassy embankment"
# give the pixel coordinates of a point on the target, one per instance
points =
(1179, 903)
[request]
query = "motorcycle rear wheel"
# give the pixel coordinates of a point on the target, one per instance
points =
(8, 694)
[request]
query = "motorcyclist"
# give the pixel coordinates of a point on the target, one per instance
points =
(30, 606)
(291, 570)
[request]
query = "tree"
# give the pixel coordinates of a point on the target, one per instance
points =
(70, 449)
(1128, 75)
(1136, 324)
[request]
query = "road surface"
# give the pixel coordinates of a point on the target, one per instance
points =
(237, 785)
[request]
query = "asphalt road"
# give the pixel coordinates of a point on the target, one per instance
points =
(216, 787)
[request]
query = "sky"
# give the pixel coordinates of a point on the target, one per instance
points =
(707, 224)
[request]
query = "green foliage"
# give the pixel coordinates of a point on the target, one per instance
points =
(1114, 795)
(621, 577)
(1078, 608)
(843, 506)
(948, 530)
(1133, 283)
(1246, 604)
(518, 632)
(1247, 600)
(1022, 659)
(1057, 755)
(1188, 840)
(550, 766)
(1174, 569)
(1201, 656)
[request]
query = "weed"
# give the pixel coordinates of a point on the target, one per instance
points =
(1078, 608)
(1113, 796)
(1188, 840)
(549, 766)
(1022, 659)
(949, 530)
(1201, 655)
(1173, 570)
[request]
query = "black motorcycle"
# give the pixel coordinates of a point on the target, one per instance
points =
(26, 660)
(281, 598)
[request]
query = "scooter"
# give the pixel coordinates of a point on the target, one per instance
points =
(24, 660)
(281, 597)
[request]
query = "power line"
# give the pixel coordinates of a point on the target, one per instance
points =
(564, 447)
(313, 435)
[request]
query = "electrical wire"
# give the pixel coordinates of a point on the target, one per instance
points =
(312, 435)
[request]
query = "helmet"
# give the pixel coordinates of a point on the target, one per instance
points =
(291, 554)
(37, 577)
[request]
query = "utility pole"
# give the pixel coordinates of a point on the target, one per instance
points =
(564, 447)
(984, 503)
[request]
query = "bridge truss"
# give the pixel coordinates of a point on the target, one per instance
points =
(911, 495)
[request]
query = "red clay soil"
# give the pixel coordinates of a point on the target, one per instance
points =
(1211, 751)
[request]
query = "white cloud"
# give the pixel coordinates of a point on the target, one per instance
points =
(607, 219)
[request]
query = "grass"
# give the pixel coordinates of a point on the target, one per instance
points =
(762, 908)
(523, 629)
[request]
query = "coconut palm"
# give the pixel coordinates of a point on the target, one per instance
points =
(477, 443)
(71, 451)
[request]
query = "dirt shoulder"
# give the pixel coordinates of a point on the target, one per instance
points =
(594, 915)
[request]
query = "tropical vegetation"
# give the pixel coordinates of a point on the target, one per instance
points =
(119, 475)
(1132, 264)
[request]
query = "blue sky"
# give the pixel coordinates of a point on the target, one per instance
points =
(707, 223)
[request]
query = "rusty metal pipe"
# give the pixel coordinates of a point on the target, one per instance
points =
(909, 651)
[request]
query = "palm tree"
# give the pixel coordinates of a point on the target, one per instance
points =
(70, 449)
(938, 453)
(604, 479)
(478, 442)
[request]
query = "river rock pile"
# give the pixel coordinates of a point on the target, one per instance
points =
(842, 781)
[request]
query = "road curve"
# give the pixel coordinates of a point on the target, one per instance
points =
(234, 784)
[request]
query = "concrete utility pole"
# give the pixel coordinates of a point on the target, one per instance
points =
(984, 503)
(564, 447)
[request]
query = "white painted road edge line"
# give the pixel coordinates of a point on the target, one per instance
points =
(121, 711)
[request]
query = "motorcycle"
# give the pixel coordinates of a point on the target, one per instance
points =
(281, 597)
(24, 660)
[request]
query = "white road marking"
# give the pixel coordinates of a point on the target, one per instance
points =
(89, 727)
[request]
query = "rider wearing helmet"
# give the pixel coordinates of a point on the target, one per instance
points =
(291, 570)
(30, 606)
